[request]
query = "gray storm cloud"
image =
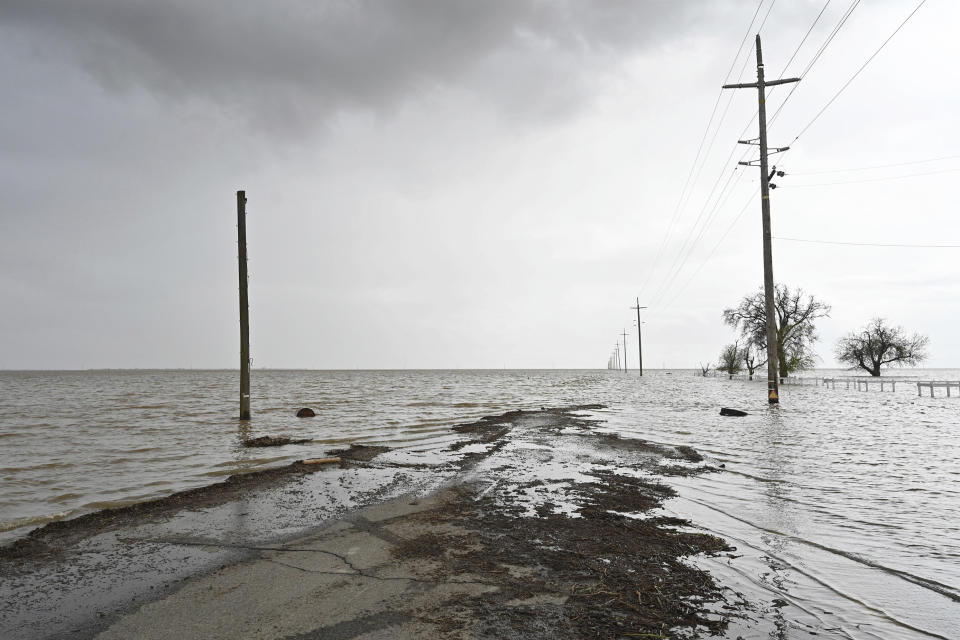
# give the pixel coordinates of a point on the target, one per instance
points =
(289, 63)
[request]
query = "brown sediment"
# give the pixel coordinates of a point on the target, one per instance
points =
(603, 574)
(359, 452)
(273, 441)
(609, 569)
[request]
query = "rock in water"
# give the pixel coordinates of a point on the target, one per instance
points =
(305, 413)
(732, 412)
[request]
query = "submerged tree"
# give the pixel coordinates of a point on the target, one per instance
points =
(705, 369)
(731, 359)
(877, 345)
(796, 330)
(750, 360)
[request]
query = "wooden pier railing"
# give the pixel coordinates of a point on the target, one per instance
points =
(862, 383)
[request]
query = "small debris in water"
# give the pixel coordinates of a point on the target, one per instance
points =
(273, 441)
(306, 412)
(725, 411)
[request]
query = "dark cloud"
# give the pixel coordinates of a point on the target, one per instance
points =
(284, 64)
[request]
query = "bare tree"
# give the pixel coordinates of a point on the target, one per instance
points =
(796, 331)
(704, 369)
(877, 345)
(750, 360)
(731, 359)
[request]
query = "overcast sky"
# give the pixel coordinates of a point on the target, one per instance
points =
(459, 184)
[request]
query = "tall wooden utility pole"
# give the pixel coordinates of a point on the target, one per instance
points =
(773, 374)
(616, 348)
(244, 307)
(639, 336)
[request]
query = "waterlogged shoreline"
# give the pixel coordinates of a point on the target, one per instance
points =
(533, 522)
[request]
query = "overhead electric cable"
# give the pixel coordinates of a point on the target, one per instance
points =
(803, 40)
(870, 244)
(862, 67)
(730, 227)
(823, 47)
(883, 179)
(706, 131)
(687, 249)
(874, 166)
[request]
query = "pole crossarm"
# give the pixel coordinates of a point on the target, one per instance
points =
(754, 85)
(771, 83)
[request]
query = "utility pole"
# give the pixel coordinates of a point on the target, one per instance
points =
(639, 336)
(624, 334)
(617, 351)
(244, 307)
(773, 374)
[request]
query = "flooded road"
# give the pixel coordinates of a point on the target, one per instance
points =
(844, 504)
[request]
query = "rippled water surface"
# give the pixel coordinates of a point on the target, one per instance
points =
(844, 504)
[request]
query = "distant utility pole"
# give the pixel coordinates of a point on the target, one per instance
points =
(244, 307)
(624, 334)
(639, 336)
(617, 352)
(773, 373)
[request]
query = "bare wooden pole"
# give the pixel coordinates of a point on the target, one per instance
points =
(773, 374)
(244, 307)
(639, 336)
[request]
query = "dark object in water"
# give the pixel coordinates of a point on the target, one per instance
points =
(732, 412)
(272, 441)
(305, 413)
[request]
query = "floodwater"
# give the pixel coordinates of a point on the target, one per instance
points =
(844, 505)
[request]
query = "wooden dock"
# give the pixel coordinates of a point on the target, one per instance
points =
(935, 384)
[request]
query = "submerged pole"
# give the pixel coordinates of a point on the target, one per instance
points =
(244, 307)
(769, 289)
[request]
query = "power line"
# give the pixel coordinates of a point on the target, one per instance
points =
(823, 47)
(730, 227)
(805, 36)
(901, 177)
(693, 167)
(870, 244)
(686, 250)
(862, 67)
(875, 166)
